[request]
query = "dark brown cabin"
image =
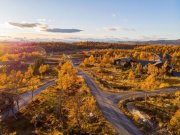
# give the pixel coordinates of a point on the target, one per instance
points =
(162, 57)
(159, 64)
(124, 62)
(6, 101)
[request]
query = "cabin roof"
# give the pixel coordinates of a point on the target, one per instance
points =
(144, 62)
(167, 56)
(158, 63)
(126, 59)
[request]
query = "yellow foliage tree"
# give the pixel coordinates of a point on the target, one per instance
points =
(33, 85)
(29, 72)
(91, 60)
(43, 69)
(15, 79)
(150, 82)
(152, 69)
(85, 63)
(67, 77)
(131, 76)
(139, 69)
(175, 122)
(3, 79)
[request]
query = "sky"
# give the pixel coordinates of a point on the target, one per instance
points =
(97, 20)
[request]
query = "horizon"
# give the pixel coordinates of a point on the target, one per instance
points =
(104, 21)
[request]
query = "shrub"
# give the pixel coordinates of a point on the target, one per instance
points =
(163, 85)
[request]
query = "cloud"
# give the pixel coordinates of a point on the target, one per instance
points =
(113, 29)
(25, 25)
(43, 27)
(120, 29)
(58, 30)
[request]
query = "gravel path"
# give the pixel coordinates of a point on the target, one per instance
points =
(107, 103)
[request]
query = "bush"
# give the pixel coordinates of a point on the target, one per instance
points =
(163, 85)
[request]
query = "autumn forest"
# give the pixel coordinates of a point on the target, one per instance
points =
(87, 87)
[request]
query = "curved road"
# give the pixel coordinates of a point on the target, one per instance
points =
(110, 110)
(26, 98)
(107, 103)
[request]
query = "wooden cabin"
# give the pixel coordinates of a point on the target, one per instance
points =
(162, 57)
(6, 101)
(159, 64)
(124, 62)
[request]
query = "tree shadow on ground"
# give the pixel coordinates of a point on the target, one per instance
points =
(21, 126)
(176, 74)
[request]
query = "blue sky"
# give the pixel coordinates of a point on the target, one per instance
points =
(89, 19)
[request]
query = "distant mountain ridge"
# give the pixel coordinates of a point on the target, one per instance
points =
(160, 42)
(164, 42)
